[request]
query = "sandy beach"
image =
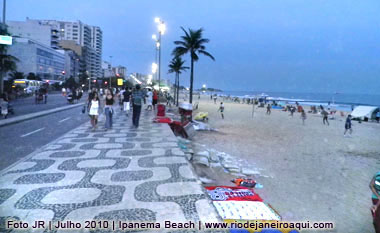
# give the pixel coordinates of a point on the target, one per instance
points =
(310, 172)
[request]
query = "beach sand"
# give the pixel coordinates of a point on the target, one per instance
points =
(310, 172)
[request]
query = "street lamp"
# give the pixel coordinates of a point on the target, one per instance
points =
(89, 82)
(111, 72)
(154, 37)
(161, 31)
(154, 68)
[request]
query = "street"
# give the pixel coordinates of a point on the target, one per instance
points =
(19, 140)
(27, 105)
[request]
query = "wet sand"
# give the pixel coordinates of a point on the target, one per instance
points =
(309, 172)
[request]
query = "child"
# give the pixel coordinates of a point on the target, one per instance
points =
(347, 125)
(303, 116)
(221, 109)
(268, 109)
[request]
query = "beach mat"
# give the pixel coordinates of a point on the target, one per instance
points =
(245, 210)
(232, 193)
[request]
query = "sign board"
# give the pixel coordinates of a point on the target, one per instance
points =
(7, 40)
(120, 82)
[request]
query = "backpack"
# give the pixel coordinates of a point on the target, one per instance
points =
(137, 98)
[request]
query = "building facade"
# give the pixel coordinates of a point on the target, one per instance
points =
(120, 71)
(107, 69)
(51, 32)
(37, 58)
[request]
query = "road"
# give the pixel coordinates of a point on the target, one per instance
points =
(21, 139)
(27, 105)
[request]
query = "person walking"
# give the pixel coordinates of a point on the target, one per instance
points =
(348, 126)
(108, 110)
(221, 109)
(149, 100)
(127, 100)
(137, 100)
(268, 109)
(155, 99)
(325, 115)
(303, 116)
(93, 111)
(378, 117)
(4, 102)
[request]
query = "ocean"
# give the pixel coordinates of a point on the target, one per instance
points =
(345, 100)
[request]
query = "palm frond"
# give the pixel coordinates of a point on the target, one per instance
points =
(206, 54)
(179, 51)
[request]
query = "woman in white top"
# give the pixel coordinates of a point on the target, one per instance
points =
(94, 110)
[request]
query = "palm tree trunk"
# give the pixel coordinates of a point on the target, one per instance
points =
(177, 90)
(191, 79)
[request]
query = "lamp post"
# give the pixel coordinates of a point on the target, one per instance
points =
(161, 31)
(111, 72)
(157, 45)
(89, 82)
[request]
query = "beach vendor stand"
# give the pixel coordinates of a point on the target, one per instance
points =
(184, 128)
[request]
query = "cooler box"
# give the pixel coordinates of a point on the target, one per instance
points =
(160, 110)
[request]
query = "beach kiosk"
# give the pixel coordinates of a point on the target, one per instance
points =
(365, 113)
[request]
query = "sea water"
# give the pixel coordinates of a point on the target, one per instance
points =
(339, 101)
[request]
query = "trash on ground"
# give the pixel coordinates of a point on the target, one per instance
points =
(200, 126)
(206, 180)
(201, 116)
(244, 182)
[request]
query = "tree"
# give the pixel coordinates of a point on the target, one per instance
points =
(176, 66)
(33, 76)
(17, 75)
(193, 43)
(70, 83)
(83, 78)
(7, 62)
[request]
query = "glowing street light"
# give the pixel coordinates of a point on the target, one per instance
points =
(161, 31)
(154, 67)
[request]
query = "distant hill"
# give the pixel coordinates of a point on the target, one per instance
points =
(209, 89)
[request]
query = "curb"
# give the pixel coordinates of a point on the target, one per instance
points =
(36, 114)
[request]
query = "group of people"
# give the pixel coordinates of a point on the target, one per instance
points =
(151, 99)
(127, 97)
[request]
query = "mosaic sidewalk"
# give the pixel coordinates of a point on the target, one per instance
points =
(121, 174)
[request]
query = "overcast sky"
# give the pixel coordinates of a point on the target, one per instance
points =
(259, 45)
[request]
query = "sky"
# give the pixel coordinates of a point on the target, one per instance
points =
(318, 46)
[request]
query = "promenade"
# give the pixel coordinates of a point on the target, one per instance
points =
(123, 174)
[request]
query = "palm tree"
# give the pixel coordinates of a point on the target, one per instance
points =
(7, 62)
(176, 66)
(193, 43)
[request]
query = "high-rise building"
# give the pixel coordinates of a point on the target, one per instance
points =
(107, 69)
(120, 71)
(50, 32)
(37, 58)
